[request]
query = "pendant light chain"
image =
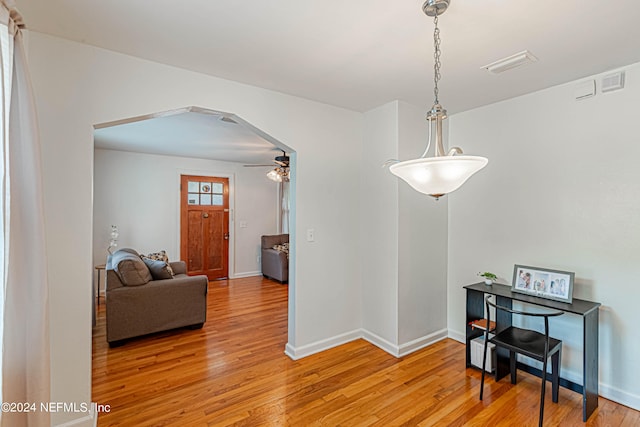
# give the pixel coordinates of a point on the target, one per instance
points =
(436, 56)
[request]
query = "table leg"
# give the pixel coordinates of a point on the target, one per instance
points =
(590, 364)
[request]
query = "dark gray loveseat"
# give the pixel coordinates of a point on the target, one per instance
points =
(144, 305)
(275, 263)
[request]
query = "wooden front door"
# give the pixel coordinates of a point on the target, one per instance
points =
(204, 225)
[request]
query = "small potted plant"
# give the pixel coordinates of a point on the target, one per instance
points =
(488, 277)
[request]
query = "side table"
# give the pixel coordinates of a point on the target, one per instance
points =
(100, 268)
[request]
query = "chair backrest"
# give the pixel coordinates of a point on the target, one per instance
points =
(546, 315)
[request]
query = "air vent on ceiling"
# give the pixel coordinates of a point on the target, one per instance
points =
(513, 61)
(228, 120)
(613, 82)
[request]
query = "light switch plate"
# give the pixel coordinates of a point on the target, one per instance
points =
(311, 235)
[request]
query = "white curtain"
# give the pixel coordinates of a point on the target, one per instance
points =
(284, 207)
(24, 331)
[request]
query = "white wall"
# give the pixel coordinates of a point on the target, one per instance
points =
(403, 238)
(379, 227)
(77, 86)
(140, 193)
(422, 247)
(560, 191)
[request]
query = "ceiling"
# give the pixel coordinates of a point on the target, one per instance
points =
(359, 54)
(190, 132)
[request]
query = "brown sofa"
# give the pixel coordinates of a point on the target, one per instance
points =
(138, 305)
(275, 263)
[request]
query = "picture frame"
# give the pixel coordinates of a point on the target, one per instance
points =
(543, 282)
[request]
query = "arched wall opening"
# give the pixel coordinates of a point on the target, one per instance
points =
(130, 152)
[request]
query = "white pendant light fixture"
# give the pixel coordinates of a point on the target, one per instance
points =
(445, 172)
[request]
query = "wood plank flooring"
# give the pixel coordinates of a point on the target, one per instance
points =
(234, 372)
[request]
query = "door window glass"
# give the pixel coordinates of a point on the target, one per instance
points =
(205, 193)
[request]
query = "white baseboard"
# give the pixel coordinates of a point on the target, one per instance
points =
(246, 274)
(620, 396)
(307, 350)
(89, 420)
(422, 342)
(296, 353)
(381, 343)
(458, 336)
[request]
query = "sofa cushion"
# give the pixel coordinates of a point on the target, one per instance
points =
(131, 270)
(160, 256)
(159, 269)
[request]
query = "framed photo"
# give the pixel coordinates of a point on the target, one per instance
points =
(542, 282)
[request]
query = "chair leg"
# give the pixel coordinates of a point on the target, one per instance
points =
(544, 384)
(513, 362)
(555, 372)
(484, 365)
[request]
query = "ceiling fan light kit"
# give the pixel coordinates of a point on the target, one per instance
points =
(445, 172)
(281, 172)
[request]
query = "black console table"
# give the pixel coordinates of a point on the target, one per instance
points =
(504, 297)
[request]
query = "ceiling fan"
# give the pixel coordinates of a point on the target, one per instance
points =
(281, 172)
(282, 161)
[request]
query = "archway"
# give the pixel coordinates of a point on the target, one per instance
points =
(238, 143)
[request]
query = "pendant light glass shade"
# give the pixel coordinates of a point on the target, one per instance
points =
(437, 176)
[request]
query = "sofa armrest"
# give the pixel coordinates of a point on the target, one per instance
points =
(112, 280)
(272, 255)
(178, 267)
(275, 264)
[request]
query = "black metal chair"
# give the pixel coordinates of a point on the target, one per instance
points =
(529, 343)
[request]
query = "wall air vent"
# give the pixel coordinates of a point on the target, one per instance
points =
(513, 61)
(613, 82)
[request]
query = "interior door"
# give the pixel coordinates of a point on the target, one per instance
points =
(204, 225)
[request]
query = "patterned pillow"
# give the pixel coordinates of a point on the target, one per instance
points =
(160, 256)
(282, 248)
(159, 269)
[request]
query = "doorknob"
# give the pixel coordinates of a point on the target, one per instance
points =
(205, 215)
(226, 236)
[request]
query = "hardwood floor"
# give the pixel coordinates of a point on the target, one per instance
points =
(234, 372)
